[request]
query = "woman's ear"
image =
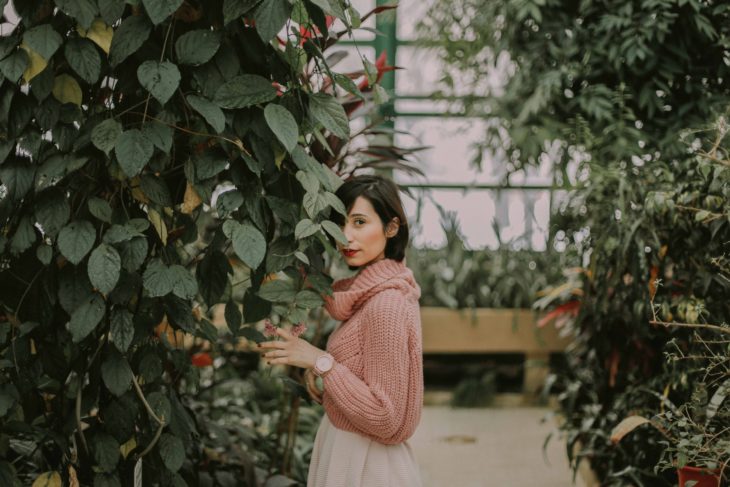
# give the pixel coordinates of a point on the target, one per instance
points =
(392, 229)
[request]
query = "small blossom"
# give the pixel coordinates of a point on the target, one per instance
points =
(202, 359)
(298, 329)
(269, 328)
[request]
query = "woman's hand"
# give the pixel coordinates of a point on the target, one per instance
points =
(291, 350)
(310, 381)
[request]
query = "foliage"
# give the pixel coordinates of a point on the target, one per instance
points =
(613, 87)
(621, 80)
(457, 277)
(149, 153)
(672, 229)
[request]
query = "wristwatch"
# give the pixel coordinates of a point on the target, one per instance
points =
(323, 364)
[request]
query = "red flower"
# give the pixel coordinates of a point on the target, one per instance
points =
(201, 359)
(560, 314)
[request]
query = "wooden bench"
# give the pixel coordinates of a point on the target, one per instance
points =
(487, 330)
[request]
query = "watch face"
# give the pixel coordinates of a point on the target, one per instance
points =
(324, 363)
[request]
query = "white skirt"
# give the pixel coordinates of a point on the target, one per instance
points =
(346, 459)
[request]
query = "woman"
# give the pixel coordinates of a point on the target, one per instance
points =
(372, 371)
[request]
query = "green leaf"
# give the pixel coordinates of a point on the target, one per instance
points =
(212, 275)
(335, 203)
(128, 38)
(43, 39)
(371, 71)
(52, 211)
(83, 58)
(104, 135)
(249, 245)
(233, 316)
(271, 16)
(133, 151)
(234, 9)
(155, 189)
(313, 204)
(244, 91)
(76, 240)
(122, 329)
(12, 67)
(133, 253)
(8, 397)
(160, 405)
(283, 124)
(334, 230)
(328, 111)
(211, 112)
(104, 266)
(228, 202)
(44, 253)
(308, 299)
(278, 291)
(84, 11)
(309, 181)
(305, 228)
(24, 236)
(159, 134)
(348, 85)
(197, 46)
(100, 209)
(85, 318)
(172, 451)
(331, 7)
(111, 10)
(106, 451)
(159, 10)
(116, 373)
(183, 282)
(156, 279)
(160, 79)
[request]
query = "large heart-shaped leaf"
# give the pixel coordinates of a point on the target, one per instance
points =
(249, 244)
(133, 151)
(104, 267)
(197, 46)
(159, 10)
(244, 91)
(160, 79)
(283, 124)
(76, 240)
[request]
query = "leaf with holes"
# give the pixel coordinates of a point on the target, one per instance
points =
(160, 79)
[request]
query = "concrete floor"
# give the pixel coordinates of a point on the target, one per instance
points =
(489, 447)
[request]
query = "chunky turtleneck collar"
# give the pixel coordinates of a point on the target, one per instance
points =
(351, 293)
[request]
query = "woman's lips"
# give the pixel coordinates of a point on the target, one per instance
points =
(350, 253)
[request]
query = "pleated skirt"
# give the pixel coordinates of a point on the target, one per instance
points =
(346, 459)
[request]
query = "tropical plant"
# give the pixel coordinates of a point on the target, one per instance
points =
(149, 152)
(613, 87)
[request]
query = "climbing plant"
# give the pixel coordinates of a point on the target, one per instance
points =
(149, 149)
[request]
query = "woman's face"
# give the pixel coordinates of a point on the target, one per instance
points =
(365, 234)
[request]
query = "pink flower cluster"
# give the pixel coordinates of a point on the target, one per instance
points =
(270, 329)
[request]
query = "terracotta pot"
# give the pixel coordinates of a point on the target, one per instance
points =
(703, 476)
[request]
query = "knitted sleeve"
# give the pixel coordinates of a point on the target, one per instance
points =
(378, 405)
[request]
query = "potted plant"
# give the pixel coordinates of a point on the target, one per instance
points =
(696, 435)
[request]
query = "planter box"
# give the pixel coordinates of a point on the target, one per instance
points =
(487, 330)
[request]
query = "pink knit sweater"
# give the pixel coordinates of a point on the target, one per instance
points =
(375, 387)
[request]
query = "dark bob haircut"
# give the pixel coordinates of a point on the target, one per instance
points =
(383, 194)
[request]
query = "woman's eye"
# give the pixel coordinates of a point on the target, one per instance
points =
(360, 222)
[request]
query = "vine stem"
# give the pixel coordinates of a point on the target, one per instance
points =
(235, 142)
(161, 423)
(667, 324)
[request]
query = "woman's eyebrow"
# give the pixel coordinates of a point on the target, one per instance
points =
(358, 214)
